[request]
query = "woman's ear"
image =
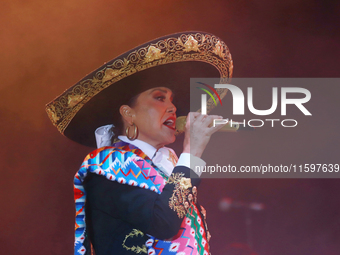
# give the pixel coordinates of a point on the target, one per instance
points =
(127, 113)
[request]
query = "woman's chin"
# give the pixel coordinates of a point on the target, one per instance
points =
(169, 135)
(169, 140)
(173, 139)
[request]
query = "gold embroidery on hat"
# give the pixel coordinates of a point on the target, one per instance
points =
(110, 73)
(153, 54)
(51, 113)
(191, 44)
(218, 50)
(74, 99)
(197, 47)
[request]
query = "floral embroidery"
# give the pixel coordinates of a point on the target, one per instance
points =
(136, 249)
(111, 73)
(191, 44)
(185, 183)
(153, 54)
(173, 158)
(218, 50)
(52, 113)
(179, 199)
(74, 99)
(204, 213)
(194, 191)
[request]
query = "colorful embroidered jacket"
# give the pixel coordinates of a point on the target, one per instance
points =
(132, 209)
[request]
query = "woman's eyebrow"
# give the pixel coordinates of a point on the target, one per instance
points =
(159, 89)
(165, 91)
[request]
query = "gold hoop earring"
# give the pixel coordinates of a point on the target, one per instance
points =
(135, 134)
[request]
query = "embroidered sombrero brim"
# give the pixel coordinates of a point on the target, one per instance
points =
(169, 61)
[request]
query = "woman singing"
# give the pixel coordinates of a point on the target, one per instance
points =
(133, 195)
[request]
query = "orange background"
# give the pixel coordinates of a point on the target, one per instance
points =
(47, 46)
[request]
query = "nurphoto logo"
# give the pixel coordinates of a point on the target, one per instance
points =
(239, 103)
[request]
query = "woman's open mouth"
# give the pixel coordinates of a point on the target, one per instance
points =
(170, 123)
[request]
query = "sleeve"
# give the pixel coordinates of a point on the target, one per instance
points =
(159, 215)
(191, 161)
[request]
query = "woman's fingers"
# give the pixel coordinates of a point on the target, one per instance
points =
(205, 122)
(199, 128)
(192, 116)
(212, 127)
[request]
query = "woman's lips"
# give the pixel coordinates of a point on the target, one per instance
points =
(170, 123)
(173, 128)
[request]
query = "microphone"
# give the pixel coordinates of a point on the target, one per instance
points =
(229, 126)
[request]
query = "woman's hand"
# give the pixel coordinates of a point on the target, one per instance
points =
(198, 131)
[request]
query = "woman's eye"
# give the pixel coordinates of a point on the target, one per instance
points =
(160, 98)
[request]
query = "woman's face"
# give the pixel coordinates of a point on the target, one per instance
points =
(155, 116)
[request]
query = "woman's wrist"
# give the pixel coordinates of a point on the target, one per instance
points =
(192, 162)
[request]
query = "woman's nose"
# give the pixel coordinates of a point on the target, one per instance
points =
(172, 108)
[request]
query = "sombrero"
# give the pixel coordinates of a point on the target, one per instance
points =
(169, 61)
